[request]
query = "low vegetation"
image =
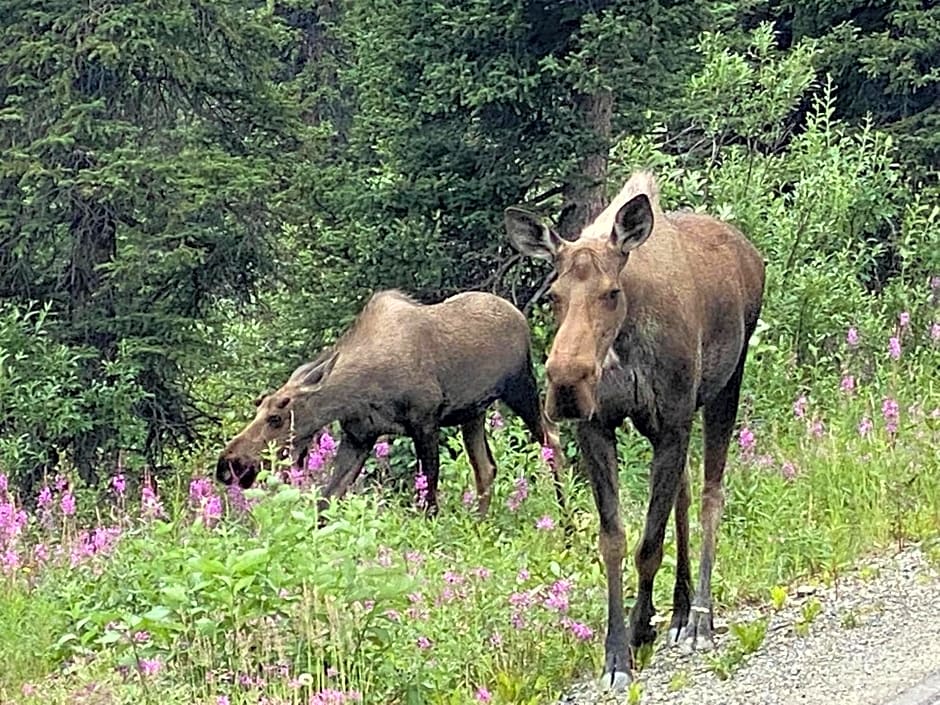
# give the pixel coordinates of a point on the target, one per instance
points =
(182, 594)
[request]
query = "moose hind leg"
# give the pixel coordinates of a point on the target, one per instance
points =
(522, 397)
(719, 416)
(682, 593)
(481, 459)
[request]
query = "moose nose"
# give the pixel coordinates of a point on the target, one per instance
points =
(569, 372)
(223, 471)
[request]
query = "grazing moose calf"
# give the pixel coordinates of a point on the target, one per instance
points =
(654, 315)
(402, 368)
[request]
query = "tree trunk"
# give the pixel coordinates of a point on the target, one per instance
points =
(584, 191)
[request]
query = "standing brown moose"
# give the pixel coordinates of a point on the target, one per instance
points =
(402, 368)
(654, 315)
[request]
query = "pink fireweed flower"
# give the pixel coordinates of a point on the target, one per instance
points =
(522, 576)
(200, 489)
(452, 578)
(151, 505)
(557, 602)
(44, 500)
(482, 573)
(904, 320)
(851, 337)
(788, 470)
(222, 700)
(522, 600)
(118, 485)
(381, 450)
(496, 421)
(315, 461)
(141, 637)
(9, 561)
(581, 632)
(61, 482)
(799, 406)
(495, 640)
(212, 510)
(746, 440)
(296, 477)
(149, 666)
(468, 499)
(67, 503)
(817, 429)
(865, 426)
(546, 523)
(327, 444)
(482, 695)
(423, 643)
(548, 454)
(384, 556)
(41, 553)
(894, 348)
(28, 690)
(848, 384)
(518, 495)
(421, 487)
(935, 332)
(891, 413)
(237, 499)
(331, 696)
(4, 485)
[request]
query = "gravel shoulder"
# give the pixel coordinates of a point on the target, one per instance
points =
(877, 634)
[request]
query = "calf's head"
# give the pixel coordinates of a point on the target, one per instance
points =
(286, 419)
(586, 297)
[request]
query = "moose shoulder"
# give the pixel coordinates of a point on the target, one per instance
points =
(401, 368)
(654, 314)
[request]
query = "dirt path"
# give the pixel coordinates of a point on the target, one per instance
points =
(877, 634)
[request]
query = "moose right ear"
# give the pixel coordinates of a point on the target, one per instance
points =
(314, 373)
(529, 235)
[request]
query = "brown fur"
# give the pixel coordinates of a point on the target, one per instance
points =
(654, 314)
(401, 368)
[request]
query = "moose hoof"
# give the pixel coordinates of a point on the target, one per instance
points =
(614, 682)
(697, 634)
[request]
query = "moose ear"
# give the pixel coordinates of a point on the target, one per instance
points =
(632, 224)
(530, 235)
(314, 373)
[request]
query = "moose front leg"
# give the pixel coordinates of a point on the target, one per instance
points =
(669, 455)
(599, 452)
(427, 448)
(350, 456)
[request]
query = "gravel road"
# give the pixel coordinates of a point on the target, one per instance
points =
(877, 634)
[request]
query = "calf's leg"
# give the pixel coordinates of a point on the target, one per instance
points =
(481, 459)
(522, 397)
(426, 440)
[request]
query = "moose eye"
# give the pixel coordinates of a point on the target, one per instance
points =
(612, 295)
(275, 421)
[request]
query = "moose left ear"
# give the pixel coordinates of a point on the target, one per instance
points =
(529, 235)
(632, 224)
